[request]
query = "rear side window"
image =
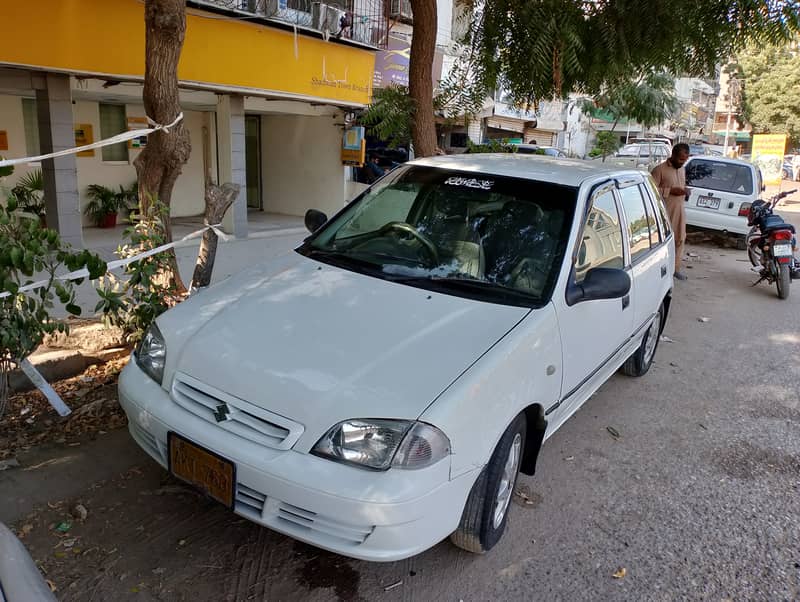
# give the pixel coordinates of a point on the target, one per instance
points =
(660, 207)
(716, 175)
(641, 232)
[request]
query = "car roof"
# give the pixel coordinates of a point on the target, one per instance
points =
(716, 159)
(569, 172)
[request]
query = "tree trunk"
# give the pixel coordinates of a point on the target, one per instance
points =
(159, 164)
(218, 200)
(420, 77)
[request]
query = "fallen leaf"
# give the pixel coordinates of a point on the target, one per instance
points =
(569, 458)
(613, 432)
(620, 574)
(666, 339)
(79, 511)
(51, 585)
(393, 585)
(64, 526)
(703, 319)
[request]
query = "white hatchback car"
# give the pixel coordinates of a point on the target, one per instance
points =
(379, 389)
(721, 192)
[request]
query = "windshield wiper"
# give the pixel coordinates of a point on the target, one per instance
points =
(467, 284)
(337, 258)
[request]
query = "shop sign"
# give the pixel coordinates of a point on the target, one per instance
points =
(768, 151)
(354, 146)
(391, 65)
(84, 134)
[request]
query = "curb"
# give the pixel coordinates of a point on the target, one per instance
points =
(61, 364)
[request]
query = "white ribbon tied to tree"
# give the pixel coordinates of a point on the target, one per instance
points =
(123, 137)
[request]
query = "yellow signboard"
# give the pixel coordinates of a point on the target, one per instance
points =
(768, 151)
(229, 53)
(84, 134)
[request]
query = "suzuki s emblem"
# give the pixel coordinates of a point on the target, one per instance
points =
(222, 412)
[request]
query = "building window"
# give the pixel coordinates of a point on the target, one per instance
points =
(113, 122)
(31, 121)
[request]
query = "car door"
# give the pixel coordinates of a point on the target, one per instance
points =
(593, 333)
(649, 252)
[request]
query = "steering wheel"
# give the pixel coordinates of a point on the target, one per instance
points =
(426, 243)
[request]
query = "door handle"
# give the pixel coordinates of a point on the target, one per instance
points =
(663, 271)
(626, 301)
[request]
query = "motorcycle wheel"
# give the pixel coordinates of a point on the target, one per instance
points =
(753, 252)
(784, 280)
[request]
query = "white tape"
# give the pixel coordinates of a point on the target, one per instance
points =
(119, 263)
(124, 137)
(48, 391)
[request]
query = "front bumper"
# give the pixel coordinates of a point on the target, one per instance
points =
(376, 516)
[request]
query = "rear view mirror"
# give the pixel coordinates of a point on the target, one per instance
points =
(314, 220)
(600, 283)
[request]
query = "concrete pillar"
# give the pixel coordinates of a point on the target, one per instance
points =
(60, 175)
(475, 131)
(230, 147)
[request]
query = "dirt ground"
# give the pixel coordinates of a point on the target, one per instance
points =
(688, 479)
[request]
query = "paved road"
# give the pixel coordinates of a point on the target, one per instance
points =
(698, 498)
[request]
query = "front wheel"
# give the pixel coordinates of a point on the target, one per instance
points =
(784, 280)
(639, 363)
(486, 511)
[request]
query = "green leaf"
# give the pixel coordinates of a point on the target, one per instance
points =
(73, 309)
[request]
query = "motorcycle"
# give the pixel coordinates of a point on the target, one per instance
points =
(771, 244)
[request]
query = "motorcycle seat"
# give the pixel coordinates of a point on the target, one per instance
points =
(775, 222)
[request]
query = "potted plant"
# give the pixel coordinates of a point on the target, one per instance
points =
(103, 205)
(29, 194)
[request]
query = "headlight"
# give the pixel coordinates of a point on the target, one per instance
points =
(381, 444)
(152, 354)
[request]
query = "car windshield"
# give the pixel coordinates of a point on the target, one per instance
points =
(482, 236)
(721, 176)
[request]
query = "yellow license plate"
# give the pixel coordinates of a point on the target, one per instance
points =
(202, 468)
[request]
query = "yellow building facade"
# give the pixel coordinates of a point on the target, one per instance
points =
(264, 101)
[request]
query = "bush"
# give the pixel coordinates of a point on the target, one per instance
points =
(134, 300)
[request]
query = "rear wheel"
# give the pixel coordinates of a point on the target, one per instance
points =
(753, 252)
(784, 280)
(486, 511)
(639, 363)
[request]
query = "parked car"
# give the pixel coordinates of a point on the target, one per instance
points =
(379, 389)
(639, 156)
(721, 192)
(20, 578)
(535, 149)
(653, 140)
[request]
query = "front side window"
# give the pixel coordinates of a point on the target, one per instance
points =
(601, 244)
(638, 222)
(477, 235)
(717, 175)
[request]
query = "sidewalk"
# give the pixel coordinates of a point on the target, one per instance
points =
(270, 236)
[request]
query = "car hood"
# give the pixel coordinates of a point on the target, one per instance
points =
(318, 344)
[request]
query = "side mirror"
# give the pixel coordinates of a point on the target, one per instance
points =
(314, 220)
(600, 283)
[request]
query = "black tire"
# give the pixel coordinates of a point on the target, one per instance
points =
(753, 252)
(640, 361)
(477, 531)
(784, 280)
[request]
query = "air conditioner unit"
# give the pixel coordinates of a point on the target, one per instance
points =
(401, 10)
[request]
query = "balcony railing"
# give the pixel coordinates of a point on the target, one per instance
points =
(361, 21)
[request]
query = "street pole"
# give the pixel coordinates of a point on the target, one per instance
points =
(727, 133)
